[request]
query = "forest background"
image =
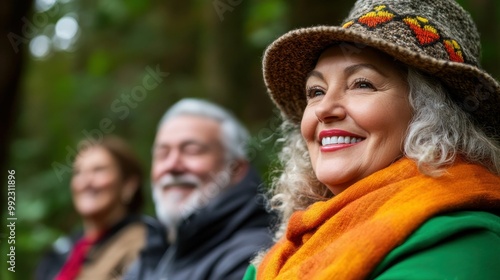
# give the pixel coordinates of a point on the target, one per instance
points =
(74, 69)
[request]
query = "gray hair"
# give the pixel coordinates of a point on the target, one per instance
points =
(234, 136)
(438, 133)
(440, 130)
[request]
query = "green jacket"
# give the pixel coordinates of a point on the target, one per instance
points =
(460, 245)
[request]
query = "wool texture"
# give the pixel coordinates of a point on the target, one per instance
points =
(347, 236)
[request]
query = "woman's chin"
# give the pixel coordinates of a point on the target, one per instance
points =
(92, 212)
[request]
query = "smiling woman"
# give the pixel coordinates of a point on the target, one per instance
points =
(100, 191)
(363, 97)
(106, 190)
(391, 160)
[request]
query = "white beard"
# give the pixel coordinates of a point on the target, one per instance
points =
(171, 212)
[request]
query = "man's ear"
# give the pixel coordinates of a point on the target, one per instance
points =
(128, 190)
(239, 169)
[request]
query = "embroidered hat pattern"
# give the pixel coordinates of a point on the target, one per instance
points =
(423, 30)
(438, 38)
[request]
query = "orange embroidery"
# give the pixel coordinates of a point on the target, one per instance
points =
(378, 16)
(454, 50)
(425, 33)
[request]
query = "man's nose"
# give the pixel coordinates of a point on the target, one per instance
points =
(174, 163)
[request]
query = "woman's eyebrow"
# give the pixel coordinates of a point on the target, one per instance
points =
(316, 74)
(358, 67)
(348, 71)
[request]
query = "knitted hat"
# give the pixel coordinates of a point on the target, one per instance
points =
(436, 37)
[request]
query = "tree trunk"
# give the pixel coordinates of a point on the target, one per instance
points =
(13, 45)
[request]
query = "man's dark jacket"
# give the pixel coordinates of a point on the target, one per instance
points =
(216, 242)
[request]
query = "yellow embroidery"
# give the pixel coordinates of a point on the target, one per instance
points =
(348, 24)
(378, 16)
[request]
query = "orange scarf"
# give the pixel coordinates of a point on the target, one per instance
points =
(347, 236)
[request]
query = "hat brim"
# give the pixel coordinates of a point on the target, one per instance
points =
(289, 59)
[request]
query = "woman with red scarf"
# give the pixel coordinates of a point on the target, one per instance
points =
(106, 190)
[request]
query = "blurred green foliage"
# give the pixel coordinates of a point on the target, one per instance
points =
(211, 49)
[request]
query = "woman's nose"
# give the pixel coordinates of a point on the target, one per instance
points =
(82, 180)
(331, 107)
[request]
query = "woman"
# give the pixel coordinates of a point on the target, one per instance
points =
(392, 156)
(106, 191)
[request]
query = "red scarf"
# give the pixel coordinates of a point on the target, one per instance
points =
(73, 265)
(347, 236)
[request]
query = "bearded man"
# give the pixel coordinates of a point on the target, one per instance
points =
(206, 195)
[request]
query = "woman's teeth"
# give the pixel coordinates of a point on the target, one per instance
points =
(339, 140)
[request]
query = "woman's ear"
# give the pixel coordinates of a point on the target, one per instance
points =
(129, 188)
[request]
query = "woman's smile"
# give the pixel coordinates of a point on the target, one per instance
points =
(335, 139)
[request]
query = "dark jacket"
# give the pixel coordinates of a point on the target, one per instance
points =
(109, 257)
(217, 242)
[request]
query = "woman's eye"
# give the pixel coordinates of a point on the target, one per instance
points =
(314, 92)
(363, 84)
(100, 169)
